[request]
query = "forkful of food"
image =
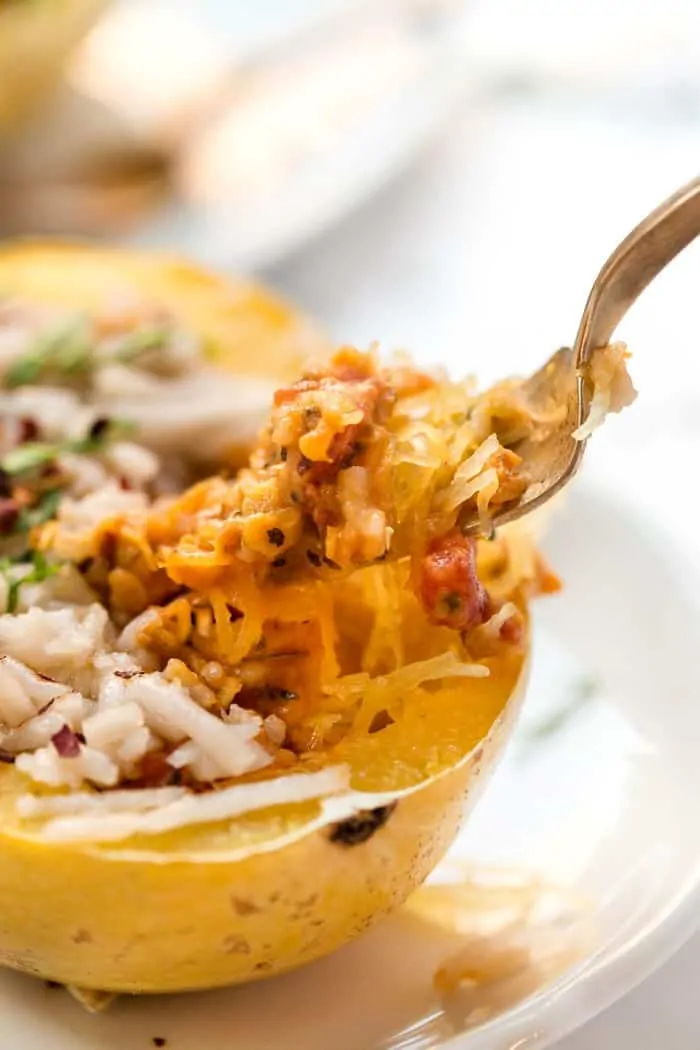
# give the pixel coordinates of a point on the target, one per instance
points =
(578, 387)
(359, 463)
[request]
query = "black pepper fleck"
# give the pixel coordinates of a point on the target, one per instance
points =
(98, 428)
(314, 558)
(158, 1040)
(381, 720)
(312, 416)
(275, 537)
(275, 693)
(279, 563)
(283, 454)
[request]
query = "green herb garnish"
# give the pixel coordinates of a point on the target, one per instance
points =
(43, 510)
(40, 569)
(30, 455)
(70, 350)
(67, 350)
(136, 343)
(453, 601)
(34, 454)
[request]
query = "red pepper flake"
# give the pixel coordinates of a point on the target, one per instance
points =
(28, 430)
(66, 742)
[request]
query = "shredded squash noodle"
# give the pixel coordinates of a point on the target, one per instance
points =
(233, 634)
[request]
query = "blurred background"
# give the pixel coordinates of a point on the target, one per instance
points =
(443, 175)
(446, 176)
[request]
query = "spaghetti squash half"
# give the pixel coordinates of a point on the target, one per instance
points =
(240, 710)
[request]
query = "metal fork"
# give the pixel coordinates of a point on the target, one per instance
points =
(641, 256)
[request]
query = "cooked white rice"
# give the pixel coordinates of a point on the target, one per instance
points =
(81, 705)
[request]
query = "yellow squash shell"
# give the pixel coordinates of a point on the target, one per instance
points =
(230, 902)
(225, 904)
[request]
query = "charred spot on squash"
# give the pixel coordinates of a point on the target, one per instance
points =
(360, 828)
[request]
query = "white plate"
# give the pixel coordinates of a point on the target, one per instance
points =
(606, 804)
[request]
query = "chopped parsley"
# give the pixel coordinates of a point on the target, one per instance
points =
(453, 601)
(34, 454)
(39, 569)
(67, 350)
(43, 510)
(136, 343)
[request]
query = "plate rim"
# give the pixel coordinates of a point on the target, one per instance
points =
(599, 980)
